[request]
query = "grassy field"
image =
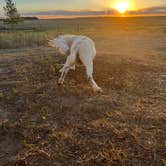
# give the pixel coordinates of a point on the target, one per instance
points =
(46, 124)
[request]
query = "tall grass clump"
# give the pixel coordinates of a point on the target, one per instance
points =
(11, 40)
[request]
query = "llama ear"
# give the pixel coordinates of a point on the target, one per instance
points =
(59, 34)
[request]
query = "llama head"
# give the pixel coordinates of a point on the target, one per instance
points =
(60, 45)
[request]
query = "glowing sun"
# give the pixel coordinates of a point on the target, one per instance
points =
(122, 7)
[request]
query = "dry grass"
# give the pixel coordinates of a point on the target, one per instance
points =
(16, 39)
(44, 124)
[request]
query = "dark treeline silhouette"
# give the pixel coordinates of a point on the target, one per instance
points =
(24, 18)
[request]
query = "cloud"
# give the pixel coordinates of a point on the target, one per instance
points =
(72, 13)
(150, 10)
(144, 11)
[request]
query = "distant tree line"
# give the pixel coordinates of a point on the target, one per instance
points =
(12, 14)
(23, 18)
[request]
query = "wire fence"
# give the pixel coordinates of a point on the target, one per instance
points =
(34, 33)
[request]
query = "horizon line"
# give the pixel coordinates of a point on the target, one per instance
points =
(43, 17)
(49, 17)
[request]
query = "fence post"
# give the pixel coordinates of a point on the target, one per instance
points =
(78, 28)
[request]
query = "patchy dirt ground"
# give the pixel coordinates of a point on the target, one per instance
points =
(42, 123)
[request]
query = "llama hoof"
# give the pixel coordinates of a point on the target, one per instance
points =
(61, 70)
(60, 82)
(73, 68)
(97, 89)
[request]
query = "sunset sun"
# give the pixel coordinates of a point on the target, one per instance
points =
(122, 7)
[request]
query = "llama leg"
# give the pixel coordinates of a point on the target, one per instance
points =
(63, 75)
(89, 70)
(70, 62)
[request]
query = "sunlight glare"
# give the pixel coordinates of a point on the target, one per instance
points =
(122, 7)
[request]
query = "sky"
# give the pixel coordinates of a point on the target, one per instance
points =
(25, 6)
